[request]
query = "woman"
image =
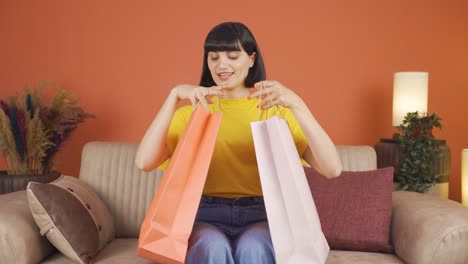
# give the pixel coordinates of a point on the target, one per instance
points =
(231, 224)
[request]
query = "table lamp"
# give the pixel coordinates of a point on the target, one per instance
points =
(410, 94)
(464, 177)
(410, 91)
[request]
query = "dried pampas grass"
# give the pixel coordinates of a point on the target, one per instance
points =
(31, 132)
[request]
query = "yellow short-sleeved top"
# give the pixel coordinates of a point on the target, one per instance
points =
(233, 169)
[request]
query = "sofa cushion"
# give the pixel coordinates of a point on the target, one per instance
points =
(18, 231)
(354, 208)
(109, 168)
(123, 251)
(353, 257)
(72, 217)
(118, 251)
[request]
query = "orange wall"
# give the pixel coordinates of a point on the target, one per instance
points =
(121, 58)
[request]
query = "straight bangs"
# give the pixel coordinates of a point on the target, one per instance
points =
(222, 41)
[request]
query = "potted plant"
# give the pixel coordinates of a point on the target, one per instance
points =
(32, 132)
(419, 148)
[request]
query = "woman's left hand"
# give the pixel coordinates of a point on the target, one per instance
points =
(274, 93)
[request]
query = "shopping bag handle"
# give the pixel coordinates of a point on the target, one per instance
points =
(217, 103)
(278, 110)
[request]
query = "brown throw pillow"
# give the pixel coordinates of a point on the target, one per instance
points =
(355, 208)
(72, 217)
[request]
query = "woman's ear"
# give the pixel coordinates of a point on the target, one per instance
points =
(252, 59)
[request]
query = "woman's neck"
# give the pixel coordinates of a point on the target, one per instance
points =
(236, 93)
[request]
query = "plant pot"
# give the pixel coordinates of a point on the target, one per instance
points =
(439, 190)
(388, 154)
(13, 183)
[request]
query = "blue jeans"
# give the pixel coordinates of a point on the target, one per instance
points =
(230, 230)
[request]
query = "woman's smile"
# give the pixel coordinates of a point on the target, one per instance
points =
(224, 76)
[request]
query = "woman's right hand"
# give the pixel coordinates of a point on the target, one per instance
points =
(197, 94)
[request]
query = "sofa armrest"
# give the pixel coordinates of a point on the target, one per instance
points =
(428, 229)
(20, 240)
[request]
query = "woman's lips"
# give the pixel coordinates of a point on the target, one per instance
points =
(224, 76)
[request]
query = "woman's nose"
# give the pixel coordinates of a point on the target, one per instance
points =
(222, 63)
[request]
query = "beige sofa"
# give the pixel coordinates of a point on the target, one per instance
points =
(425, 229)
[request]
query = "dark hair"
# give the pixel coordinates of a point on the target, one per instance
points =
(227, 37)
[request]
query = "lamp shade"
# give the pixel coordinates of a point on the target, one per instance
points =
(410, 91)
(465, 177)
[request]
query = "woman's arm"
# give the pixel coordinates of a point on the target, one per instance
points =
(321, 153)
(153, 150)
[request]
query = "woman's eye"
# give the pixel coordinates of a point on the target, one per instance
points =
(233, 55)
(213, 58)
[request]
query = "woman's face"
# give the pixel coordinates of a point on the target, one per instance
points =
(230, 68)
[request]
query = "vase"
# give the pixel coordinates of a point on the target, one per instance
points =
(13, 183)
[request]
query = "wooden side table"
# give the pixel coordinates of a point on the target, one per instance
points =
(389, 154)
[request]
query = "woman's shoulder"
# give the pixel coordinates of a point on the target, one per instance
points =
(183, 113)
(184, 110)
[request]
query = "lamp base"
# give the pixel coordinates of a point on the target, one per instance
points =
(439, 189)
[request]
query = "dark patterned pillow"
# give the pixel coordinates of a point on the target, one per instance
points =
(72, 217)
(355, 209)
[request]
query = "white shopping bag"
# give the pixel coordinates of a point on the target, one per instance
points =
(292, 216)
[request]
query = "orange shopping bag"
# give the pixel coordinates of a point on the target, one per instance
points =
(169, 221)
